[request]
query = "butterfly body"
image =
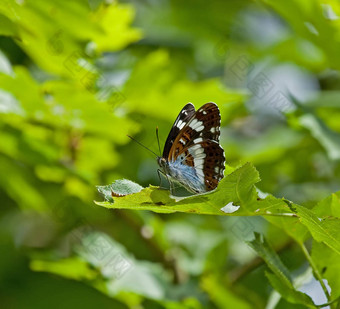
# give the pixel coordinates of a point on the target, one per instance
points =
(185, 175)
(192, 155)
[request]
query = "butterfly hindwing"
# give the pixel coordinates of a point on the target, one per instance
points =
(213, 166)
(207, 161)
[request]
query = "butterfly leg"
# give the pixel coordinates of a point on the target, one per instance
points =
(159, 172)
(171, 184)
(159, 176)
(172, 187)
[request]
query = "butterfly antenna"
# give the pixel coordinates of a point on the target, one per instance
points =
(142, 145)
(159, 147)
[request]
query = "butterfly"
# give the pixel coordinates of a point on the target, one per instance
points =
(192, 155)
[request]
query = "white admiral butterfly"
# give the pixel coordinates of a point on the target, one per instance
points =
(192, 155)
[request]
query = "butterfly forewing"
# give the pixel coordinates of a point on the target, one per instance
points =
(204, 125)
(209, 117)
(183, 117)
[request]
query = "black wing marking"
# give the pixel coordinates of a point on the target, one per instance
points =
(203, 125)
(183, 117)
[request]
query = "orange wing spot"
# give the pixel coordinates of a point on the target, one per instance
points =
(186, 136)
(189, 159)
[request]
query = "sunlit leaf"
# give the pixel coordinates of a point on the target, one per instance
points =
(115, 21)
(325, 230)
(237, 188)
(330, 206)
(72, 268)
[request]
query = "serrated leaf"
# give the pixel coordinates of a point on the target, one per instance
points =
(280, 278)
(125, 187)
(290, 224)
(118, 188)
(268, 254)
(237, 188)
(323, 230)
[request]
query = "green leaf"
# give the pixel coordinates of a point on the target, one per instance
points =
(288, 293)
(237, 188)
(61, 29)
(235, 195)
(329, 139)
(119, 187)
(172, 89)
(323, 230)
(311, 12)
(280, 278)
(221, 296)
(110, 266)
(7, 27)
(330, 206)
(115, 22)
(328, 263)
(291, 225)
(72, 268)
(20, 186)
(267, 253)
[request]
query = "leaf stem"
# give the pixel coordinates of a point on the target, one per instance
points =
(315, 271)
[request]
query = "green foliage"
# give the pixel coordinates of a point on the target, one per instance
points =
(280, 277)
(77, 77)
(235, 195)
(325, 230)
(237, 188)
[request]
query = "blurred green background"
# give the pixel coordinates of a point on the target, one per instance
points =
(77, 76)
